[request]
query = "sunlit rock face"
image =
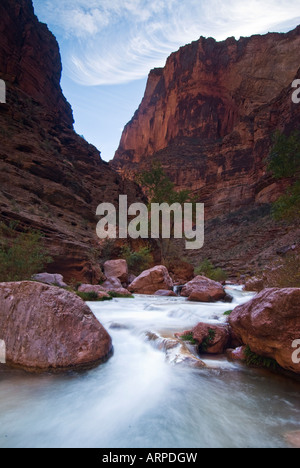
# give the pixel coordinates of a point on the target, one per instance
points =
(209, 114)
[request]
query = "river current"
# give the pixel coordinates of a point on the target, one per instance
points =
(147, 395)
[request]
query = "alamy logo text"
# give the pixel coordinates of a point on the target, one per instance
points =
(161, 221)
(2, 92)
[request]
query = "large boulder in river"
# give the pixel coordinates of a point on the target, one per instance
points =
(116, 269)
(47, 328)
(270, 325)
(152, 280)
(202, 289)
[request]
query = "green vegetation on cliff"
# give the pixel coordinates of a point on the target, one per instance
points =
(207, 269)
(138, 260)
(160, 189)
(284, 163)
(22, 254)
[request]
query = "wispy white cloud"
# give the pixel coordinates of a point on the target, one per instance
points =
(117, 41)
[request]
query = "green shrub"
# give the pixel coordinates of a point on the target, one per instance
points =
(287, 206)
(188, 337)
(114, 294)
(254, 360)
(207, 341)
(284, 159)
(137, 261)
(207, 269)
(92, 297)
(160, 189)
(22, 254)
(228, 312)
(284, 163)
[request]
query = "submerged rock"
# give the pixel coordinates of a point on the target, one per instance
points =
(177, 351)
(46, 328)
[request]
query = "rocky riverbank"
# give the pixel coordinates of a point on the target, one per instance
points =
(48, 327)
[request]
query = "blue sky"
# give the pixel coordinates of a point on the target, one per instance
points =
(108, 48)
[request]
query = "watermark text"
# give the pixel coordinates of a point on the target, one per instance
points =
(162, 221)
(296, 93)
(2, 92)
(152, 457)
(2, 352)
(296, 354)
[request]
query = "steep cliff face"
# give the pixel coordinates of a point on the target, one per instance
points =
(30, 58)
(50, 178)
(208, 116)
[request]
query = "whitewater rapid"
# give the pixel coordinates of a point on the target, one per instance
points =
(142, 398)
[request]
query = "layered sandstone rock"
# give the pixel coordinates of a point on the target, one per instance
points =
(47, 328)
(269, 324)
(208, 116)
(202, 289)
(50, 178)
(152, 280)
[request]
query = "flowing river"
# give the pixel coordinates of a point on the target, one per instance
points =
(148, 394)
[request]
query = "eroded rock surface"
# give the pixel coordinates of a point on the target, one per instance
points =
(48, 328)
(51, 179)
(202, 289)
(270, 325)
(151, 281)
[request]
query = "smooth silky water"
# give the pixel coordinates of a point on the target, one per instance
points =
(141, 398)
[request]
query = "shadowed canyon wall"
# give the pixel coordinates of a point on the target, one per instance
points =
(50, 178)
